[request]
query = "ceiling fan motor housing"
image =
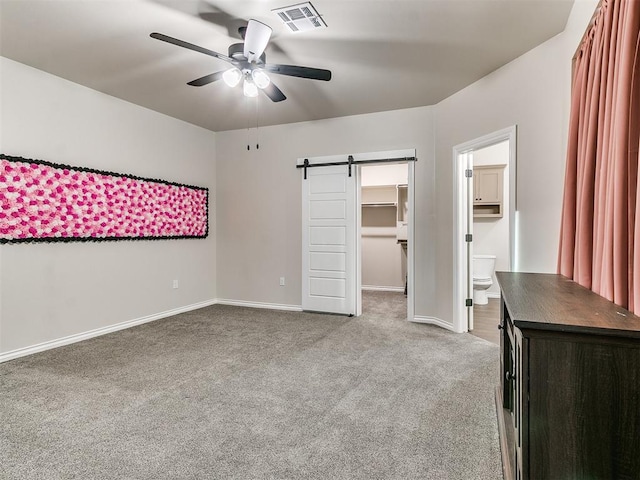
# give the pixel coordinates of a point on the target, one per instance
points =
(236, 51)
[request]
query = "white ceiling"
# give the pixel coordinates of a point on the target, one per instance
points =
(384, 54)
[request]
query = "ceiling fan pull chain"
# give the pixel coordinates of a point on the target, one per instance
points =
(257, 128)
(246, 108)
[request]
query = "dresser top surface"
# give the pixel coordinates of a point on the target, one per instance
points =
(553, 302)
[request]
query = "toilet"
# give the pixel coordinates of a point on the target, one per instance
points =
(483, 267)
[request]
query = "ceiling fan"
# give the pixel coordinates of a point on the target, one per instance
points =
(248, 63)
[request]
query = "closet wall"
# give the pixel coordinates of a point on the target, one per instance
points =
(384, 206)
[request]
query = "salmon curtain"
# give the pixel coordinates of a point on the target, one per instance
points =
(600, 231)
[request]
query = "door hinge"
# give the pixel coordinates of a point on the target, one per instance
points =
(468, 237)
(468, 302)
(468, 173)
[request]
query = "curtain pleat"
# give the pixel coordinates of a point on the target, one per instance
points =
(600, 227)
(633, 219)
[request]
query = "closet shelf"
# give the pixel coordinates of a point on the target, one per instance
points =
(380, 204)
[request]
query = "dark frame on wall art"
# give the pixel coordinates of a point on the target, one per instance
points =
(42, 201)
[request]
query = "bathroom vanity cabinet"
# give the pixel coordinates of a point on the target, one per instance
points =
(488, 190)
(569, 396)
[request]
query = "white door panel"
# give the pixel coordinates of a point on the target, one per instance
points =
(328, 210)
(328, 236)
(328, 287)
(470, 185)
(328, 240)
(321, 261)
(327, 183)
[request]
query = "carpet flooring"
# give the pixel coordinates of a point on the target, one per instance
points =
(387, 306)
(237, 393)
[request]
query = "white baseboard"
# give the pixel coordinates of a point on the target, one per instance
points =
(374, 288)
(433, 321)
(78, 337)
(269, 306)
(493, 294)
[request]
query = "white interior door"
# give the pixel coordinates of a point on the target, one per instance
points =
(329, 275)
(469, 232)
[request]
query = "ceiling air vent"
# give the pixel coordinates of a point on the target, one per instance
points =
(300, 17)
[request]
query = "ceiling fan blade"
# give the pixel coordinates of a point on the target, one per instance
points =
(223, 19)
(206, 80)
(274, 93)
(298, 71)
(191, 46)
(256, 39)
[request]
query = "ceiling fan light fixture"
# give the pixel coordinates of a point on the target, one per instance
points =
(260, 78)
(249, 88)
(232, 77)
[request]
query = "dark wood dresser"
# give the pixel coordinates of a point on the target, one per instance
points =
(569, 396)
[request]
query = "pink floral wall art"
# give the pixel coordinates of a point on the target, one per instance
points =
(42, 201)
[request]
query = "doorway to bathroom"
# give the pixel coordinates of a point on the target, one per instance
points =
(485, 228)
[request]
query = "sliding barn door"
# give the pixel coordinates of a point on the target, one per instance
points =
(329, 240)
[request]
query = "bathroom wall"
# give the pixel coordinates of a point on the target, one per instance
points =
(491, 235)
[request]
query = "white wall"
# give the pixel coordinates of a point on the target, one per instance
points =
(51, 291)
(491, 235)
(259, 199)
(258, 206)
(48, 291)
